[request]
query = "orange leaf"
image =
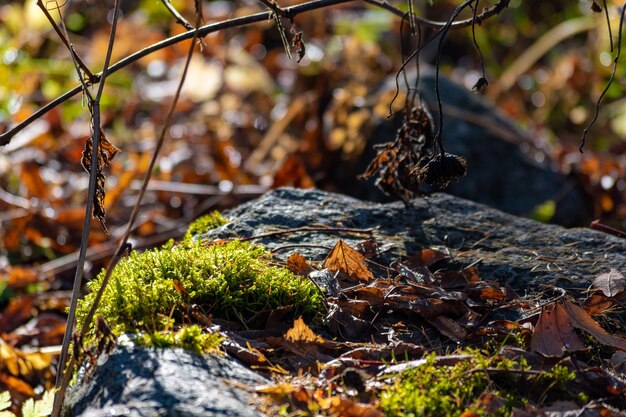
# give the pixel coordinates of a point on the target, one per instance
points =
(298, 264)
(598, 304)
(349, 261)
(16, 385)
(17, 312)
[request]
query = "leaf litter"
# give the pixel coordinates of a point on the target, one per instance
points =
(340, 364)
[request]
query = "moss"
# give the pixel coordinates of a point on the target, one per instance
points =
(432, 390)
(205, 223)
(159, 289)
(190, 337)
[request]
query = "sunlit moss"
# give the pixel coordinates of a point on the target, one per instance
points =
(205, 223)
(156, 290)
(190, 337)
(433, 390)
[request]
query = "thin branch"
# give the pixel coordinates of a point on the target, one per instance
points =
(94, 107)
(179, 18)
(608, 84)
(64, 38)
(123, 245)
(6, 137)
(278, 11)
(444, 31)
(486, 14)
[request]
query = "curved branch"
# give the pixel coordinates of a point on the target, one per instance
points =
(6, 137)
(485, 14)
(292, 11)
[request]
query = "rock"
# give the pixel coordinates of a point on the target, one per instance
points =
(516, 251)
(500, 173)
(136, 381)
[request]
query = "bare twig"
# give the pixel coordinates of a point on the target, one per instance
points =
(486, 14)
(94, 107)
(123, 245)
(279, 11)
(322, 229)
(608, 84)
(65, 39)
(6, 137)
(442, 38)
(596, 225)
(179, 18)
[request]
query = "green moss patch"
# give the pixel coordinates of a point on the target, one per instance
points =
(189, 337)
(205, 223)
(479, 385)
(158, 290)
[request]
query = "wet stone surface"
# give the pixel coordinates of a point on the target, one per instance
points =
(515, 251)
(522, 253)
(139, 382)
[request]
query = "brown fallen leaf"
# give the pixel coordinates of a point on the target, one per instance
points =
(298, 264)
(598, 304)
(345, 407)
(17, 312)
(610, 283)
(14, 384)
(554, 334)
(301, 341)
(106, 153)
(349, 261)
(293, 173)
(583, 321)
(448, 327)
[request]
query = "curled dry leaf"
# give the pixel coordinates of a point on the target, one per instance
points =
(610, 283)
(298, 264)
(349, 261)
(106, 153)
(583, 321)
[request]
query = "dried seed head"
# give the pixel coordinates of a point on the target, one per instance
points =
(438, 172)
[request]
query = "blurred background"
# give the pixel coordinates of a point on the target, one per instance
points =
(250, 119)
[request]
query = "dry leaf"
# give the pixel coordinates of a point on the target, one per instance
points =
(300, 332)
(280, 389)
(106, 152)
(610, 283)
(448, 327)
(598, 304)
(293, 173)
(349, 261)
(583, 321)
(298, 264)
(554, 334)
(17, 312)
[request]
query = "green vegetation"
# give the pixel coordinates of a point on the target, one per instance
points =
(190, 337)
(205, 223)
(30, 407)
(156, 291)
(486, 385)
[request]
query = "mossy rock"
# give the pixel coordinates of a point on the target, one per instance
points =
(157, 291)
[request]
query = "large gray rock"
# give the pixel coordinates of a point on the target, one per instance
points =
(516, 251)
(140, 382)
(504, 169)
(525, 254)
